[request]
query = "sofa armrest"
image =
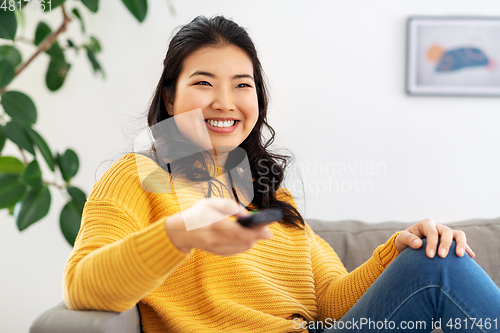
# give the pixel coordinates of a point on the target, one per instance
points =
(60, 319)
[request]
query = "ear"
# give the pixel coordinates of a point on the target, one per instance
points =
(167, 99)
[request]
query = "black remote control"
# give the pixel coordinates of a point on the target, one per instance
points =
(261, 217)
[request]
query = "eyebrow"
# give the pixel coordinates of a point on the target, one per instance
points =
(237, 76)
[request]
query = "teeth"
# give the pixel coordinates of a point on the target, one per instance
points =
(227, 123)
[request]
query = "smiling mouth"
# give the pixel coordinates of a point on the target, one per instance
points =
(221, 124)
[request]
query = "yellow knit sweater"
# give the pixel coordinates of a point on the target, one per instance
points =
(123, 256)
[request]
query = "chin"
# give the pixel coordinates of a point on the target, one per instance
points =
(225, 144)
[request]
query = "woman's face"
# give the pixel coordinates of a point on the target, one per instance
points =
(219, 81)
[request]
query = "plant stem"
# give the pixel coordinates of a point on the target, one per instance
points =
(62, 187)
(25, 40)
(47, 42)
(25, 160)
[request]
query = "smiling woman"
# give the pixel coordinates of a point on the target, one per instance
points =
(190, 267)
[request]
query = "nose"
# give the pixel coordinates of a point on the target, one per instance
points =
(223, 100)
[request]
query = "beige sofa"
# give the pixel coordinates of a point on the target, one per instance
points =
(354, 242)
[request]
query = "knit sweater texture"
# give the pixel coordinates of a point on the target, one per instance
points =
(124, 256)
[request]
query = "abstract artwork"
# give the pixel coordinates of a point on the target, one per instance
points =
(456, 56)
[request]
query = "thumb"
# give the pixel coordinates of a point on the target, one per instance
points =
(265, 232)
(413, 241)
(405, 239)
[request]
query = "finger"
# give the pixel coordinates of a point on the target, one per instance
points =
(406, 238)
(261, 231)
(416, 230)
(265, 233)
(255, 233)
(242, 211)
(469, 251)
(461, 241)
(446, 239)
(430, 231)
(228, 207)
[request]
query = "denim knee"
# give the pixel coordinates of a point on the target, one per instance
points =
(416, 263)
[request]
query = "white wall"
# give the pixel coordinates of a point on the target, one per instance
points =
(336, 71)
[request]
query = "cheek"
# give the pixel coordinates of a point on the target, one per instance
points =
(251, 110)
(189, 100)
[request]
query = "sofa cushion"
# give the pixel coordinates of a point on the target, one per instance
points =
(355, 241)
(60, 319)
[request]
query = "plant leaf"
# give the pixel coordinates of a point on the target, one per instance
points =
(8, 24)
(56, 51)
(32, 175)
(73, 45)
(42, 147)
(92, 5)
(17, 134)
(95, 46)
(11, 190)
(77, 14)
(19, 107)
(68, 164)
(56, 73)
(42, 31)
(2, 138)
(12, 165)
(69, 221)
(138, 8)
(34, 206)
(78, 196)
(56, 3)
(93, 60)
(11, 54)
(7, 72)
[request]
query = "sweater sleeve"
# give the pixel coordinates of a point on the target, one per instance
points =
(337, 290)
(119, 257)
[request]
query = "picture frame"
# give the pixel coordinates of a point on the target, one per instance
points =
(453, 56)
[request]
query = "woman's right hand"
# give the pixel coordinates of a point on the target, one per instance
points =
(224, 237)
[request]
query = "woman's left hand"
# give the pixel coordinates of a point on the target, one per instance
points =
(427, 228)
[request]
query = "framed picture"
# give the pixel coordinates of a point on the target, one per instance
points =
(456, 56)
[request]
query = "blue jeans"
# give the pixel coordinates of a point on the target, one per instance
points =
(415, 293)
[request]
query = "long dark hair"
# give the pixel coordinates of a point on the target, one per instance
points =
(268, 169)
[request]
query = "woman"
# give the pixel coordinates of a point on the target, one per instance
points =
(135, 244)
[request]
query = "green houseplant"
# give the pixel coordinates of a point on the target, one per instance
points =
(24, 190)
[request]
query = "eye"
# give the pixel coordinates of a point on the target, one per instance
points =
(202, 83)
(244, 85)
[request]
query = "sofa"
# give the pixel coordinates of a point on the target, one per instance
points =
(353, 241)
